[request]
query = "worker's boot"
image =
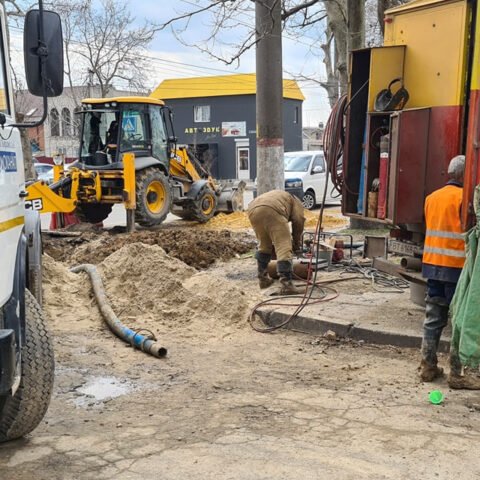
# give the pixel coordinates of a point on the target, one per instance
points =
(436, 318)
(285, 272)
(263, 260)
(461, 378)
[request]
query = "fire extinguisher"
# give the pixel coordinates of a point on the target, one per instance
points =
(383, 176)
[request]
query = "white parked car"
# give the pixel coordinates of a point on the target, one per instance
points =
(310, 168)
(44, 171)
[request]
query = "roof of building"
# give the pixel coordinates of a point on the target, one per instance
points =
(123, 100)
(414, 4)
(219, 86)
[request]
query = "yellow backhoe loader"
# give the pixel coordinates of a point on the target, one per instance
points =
(128, 154)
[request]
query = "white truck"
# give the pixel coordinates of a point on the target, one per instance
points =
(26, 353)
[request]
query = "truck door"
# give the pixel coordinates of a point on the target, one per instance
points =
(11, 184)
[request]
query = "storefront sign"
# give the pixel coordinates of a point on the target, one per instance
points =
(202, 130)
(234, 129)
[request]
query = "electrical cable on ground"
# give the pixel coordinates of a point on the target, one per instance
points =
(310, 284)
(389, 283)
(333, 150)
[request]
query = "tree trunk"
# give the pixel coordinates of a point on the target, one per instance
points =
(337, 22)
(382, 5)
(332, 84)
(356, 24)
(30, 173)
(269, 98)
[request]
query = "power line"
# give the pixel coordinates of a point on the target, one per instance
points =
(161, 61)
(174, 67)
(252, 19)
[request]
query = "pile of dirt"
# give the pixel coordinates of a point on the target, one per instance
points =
(65, 295)
(239, 221)
(330, 221)
(147, 288)
(197, 248)
(143, 279)
(231, 221)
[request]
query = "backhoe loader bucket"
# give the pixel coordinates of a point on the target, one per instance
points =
(231, 196)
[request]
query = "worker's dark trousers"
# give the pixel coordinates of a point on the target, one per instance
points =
(439, 296)
(263, 259)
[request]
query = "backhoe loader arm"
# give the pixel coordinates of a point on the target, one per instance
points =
(43, 199)
(182, 166)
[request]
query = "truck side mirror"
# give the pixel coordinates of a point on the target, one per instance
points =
(51, 49)
(317, 169)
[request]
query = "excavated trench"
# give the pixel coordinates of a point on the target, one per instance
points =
(196, 247)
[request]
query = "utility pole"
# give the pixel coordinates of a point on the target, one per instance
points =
(356, 24)
(269, 98)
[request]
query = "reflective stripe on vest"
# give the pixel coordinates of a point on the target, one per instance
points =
(445, 251)
(445, 234)
(444, 241)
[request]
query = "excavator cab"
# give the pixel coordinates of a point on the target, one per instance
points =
(115, 127)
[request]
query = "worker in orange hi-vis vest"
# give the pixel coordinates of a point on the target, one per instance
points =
(443, 260)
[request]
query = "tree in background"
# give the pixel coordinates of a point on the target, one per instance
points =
(326, 19)
(102, 47)
(104, 40)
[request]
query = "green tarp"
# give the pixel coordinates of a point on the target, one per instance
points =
(465, 306)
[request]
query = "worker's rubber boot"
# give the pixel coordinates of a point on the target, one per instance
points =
(461, 378)
(263, 260)
(285, 272)
(429, 371)
(436, 318)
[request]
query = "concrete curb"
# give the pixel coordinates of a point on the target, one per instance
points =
(344, 329)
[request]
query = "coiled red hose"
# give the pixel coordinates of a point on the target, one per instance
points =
(333, 141)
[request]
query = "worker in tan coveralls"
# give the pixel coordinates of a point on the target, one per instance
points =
(270, 214)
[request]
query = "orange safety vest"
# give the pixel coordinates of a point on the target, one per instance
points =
(444, 240)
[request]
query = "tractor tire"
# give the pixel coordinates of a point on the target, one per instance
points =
(21, 413)
(153, 196)
(203, 208)
(93, 212)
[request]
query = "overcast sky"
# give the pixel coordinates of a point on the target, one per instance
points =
(172, 59)
(299, 55)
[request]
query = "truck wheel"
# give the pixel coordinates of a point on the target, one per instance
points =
(21, 413)
(309, 201)
(153, 196)
(93, 212)
(203, 208)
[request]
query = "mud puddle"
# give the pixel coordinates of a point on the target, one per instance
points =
(100, 390)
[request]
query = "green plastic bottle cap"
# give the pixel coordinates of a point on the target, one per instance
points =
(436, 397)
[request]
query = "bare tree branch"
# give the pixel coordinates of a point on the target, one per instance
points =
(104, 41)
